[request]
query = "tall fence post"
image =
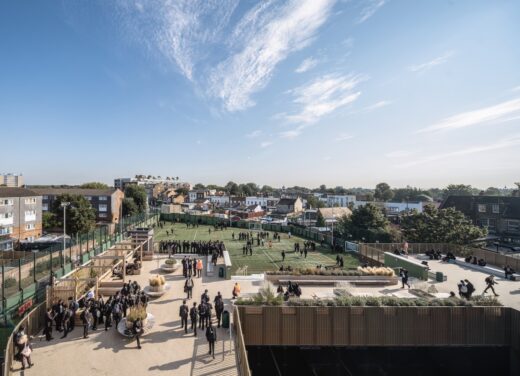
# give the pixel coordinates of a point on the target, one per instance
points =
(20, 274)
(34, 267)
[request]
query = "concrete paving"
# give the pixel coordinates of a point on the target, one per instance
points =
(165, 349)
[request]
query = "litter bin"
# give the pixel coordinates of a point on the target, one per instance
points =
(225, 319)
(221, 272)
(439, 277)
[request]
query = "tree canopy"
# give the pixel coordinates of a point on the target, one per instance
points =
(138, 194)
(366, 223)
(81, 217)
(129, 207)
(459, 190)
(94, 185)
(320, 221)
(440, 226)
(383, 192)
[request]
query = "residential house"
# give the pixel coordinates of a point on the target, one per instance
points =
(337, 200)
(267, 203)
(20, 216)
(289, 206)
(500, 215)
(247, 212)
(106, 202)
(330, 215)
(235, 201)
(220, 201)
(200, 194)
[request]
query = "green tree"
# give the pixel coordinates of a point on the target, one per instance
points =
(383, 192)
(129, 207)
(267, 190)
(366, 222)
(94, 185)
(199, 186)
(49, 220)
(409, 194)
(314, 202)
(232, 188)
(440, 226)
(516, 191)
(320, 221)
(138, 194)
(81, 217)
(458, 190)
(493, 191)
(182, 191)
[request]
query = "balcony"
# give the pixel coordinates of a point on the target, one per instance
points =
(30, 217)
(6, 221)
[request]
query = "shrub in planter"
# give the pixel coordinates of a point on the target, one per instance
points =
(157, 283)
(170, 262)
(134, 313)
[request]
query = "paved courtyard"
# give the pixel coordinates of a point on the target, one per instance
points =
(165, 349)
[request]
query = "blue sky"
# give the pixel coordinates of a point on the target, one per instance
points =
(313, 92)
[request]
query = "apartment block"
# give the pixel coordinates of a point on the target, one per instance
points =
(12, 180)
(106, 202)
(20, 216)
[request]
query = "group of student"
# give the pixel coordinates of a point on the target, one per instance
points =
(201, 317)
(191, 267)
(293, 289)
(199, 247)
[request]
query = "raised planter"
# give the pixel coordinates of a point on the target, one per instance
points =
(170, 268)
(372, 279)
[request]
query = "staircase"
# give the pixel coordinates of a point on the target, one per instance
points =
(110, 288)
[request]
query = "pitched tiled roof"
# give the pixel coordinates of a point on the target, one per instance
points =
(287, 201)
(17, 192)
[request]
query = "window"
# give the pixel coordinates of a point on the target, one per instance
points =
(30, 200)
(496, 208)
(6, 230)
(481, 208)
(30, 238)
(513, 226)
(102, 208)
(8, 215)
(45, 207)
(30, 212)
(88, 197)
(30, 226)
(6, 202)
(102, 215)
(45, 197)
(102, 198)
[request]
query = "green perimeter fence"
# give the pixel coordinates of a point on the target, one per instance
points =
(24, 280)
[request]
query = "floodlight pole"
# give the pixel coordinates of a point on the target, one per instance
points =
(64, 206)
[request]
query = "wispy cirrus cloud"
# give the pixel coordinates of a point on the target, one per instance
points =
(432, 63)
(266, 35)
(377, 105)
(498, 145)
(179, 30)
(306, 65)
(371, 7)
(323, 96)
(254, 134)
(498, 112)
(266, 144)
(343, 137)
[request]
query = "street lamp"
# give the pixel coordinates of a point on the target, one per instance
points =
(64, 206)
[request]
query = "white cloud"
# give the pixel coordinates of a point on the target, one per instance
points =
(343, 137)
(370, 9)
(266, 35)
(482, 115)
(432, 63)
(266, 144)
(306, 65)
(180, 30)
(292, 133)
(254, 134)
(377, 105)
(323, 96)
(398, 154)
(501, 144)
(517, 88)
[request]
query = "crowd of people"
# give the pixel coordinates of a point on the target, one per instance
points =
(198, 247)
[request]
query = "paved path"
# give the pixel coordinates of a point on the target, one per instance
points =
(164, 349)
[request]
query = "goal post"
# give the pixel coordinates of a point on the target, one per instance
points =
(255, 226)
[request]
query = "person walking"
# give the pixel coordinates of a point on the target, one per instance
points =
(199, 268)
(183, 313)
(202, 314)
(490, 281)
(219, 308)
(283, 255)
(211, 336)
(194, 317)
(138, 331)
(85, 319)
(188, 288)
(470, 287)
(404, 277)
